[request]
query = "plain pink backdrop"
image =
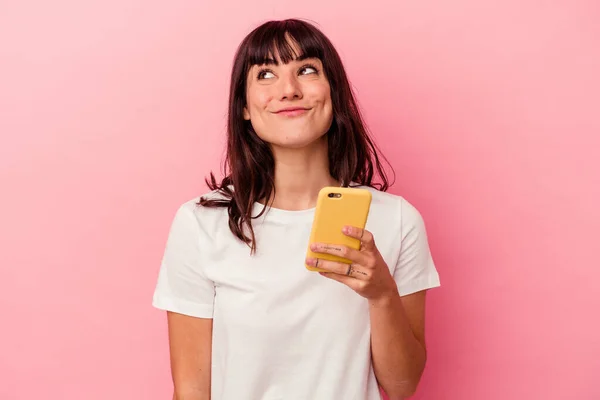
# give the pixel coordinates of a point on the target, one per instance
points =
(112, 112)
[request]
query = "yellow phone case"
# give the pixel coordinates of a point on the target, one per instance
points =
(337, 207)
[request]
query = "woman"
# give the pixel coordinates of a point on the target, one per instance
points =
(246, 319)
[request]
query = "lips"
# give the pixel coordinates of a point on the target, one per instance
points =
(292, 111)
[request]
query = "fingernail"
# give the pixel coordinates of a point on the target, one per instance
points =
(346, 229)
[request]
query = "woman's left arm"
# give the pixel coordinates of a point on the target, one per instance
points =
(398, 343)
(397, 323)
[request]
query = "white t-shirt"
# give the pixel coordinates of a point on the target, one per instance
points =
(279, 330)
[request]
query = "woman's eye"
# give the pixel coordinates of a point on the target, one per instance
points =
(265, 74)
(308, 70)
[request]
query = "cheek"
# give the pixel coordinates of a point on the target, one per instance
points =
(321, 93)
(258, 99)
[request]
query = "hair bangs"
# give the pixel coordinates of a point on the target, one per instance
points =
(283, 41)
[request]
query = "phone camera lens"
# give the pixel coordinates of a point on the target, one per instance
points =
(330, 195)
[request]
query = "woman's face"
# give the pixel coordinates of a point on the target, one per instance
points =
(289, 105)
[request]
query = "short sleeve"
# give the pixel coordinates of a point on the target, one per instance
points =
(182, 286)
(415, 269)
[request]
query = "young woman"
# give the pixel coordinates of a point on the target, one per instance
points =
(246, 319)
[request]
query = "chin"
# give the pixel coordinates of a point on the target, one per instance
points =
(299, 141)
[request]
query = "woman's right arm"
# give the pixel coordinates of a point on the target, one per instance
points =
(190, 345)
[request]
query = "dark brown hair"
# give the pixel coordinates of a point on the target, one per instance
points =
(249, 166)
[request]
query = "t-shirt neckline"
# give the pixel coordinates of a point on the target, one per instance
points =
(279, 214)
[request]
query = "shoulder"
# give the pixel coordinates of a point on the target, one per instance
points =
(192, 206)
(206, 218)
(394, 209)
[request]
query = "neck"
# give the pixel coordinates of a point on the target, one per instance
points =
(300, 174)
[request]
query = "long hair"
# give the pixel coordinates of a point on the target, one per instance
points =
(249, 165)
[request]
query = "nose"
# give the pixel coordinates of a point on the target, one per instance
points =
(290, 88)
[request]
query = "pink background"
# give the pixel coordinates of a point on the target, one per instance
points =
(112, 112)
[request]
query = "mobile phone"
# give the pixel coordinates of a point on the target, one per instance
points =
(337, 207)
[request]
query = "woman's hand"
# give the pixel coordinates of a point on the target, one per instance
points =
(368, 275)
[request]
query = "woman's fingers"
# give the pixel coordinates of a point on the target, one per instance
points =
(351, 270)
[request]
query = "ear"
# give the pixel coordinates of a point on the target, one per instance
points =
(246, 114)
